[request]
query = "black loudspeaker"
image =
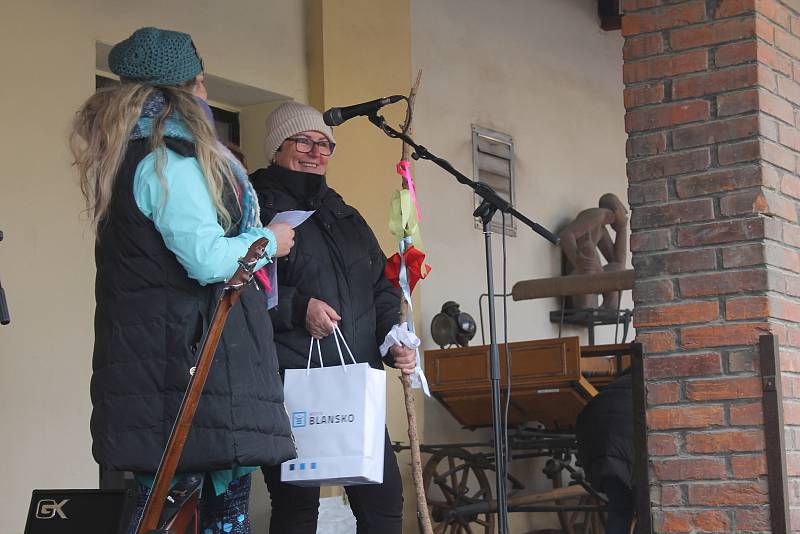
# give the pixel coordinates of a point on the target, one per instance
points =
(79, 511)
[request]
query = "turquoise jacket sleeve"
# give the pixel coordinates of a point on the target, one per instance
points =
(185, 216)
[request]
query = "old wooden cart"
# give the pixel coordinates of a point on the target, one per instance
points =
(551, 380)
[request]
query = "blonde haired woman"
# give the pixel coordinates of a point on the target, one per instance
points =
(173, 212)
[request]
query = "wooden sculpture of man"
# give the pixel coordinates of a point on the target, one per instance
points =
(585, 235)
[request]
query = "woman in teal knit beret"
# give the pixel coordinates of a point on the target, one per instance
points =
(173, 211)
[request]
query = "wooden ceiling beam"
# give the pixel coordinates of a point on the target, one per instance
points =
(610, 16)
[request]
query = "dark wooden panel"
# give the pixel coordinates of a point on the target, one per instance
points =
(475, 409)
(641, 466)
(463, 367)
(610, 15)
(613, 349)
(555, 408)
(546, 380)
(774, 441)
(538, 362)
(533, 363)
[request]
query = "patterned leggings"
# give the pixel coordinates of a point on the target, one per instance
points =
(219, 514)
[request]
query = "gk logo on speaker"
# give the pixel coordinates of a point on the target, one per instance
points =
(49, 509)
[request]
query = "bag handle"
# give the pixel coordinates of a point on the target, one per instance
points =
(319, 352)
(336, 335)
(339, 332)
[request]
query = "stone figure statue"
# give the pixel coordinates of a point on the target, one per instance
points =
(585, 235)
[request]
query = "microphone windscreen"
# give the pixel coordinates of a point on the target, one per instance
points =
(333, 117)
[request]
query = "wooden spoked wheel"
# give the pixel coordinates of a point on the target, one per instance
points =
(452, 481)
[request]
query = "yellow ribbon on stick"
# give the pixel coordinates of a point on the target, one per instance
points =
(403, 220)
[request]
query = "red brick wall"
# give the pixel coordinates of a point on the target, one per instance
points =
(710, 92)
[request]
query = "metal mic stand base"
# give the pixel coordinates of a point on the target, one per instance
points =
(486, 211)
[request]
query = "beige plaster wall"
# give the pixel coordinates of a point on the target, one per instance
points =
(252, 130)
(545, 73)
(47, 53)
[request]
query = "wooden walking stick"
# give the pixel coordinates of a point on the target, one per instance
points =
(149, 524)
(423, 514)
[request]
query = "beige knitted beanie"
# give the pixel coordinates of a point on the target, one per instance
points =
(290, 119)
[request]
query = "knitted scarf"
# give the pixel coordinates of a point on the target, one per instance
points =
(175, 127)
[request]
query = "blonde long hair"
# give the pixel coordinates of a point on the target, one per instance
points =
(100, 135)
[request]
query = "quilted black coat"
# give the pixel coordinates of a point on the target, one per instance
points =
(336, 259)
(605, 434)
(149, 321)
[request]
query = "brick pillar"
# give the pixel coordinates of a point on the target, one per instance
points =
(710, 94)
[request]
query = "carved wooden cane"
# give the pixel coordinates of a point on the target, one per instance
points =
(423, 514)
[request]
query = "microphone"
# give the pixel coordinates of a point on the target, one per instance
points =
(336, 116)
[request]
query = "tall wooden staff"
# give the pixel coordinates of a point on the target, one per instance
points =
(416, 458)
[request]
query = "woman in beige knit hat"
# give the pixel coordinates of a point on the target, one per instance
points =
(333, 275)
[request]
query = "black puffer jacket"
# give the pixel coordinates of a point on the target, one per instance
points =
(605, 434)
(336, 259)
(149, 321)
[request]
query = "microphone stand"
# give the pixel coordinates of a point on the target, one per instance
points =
(491, 203)
(4, 317)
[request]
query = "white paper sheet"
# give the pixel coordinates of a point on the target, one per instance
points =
(293, 218)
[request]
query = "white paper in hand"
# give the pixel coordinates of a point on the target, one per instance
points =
(293, 218)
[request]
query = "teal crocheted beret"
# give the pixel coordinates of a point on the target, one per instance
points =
(156, 57)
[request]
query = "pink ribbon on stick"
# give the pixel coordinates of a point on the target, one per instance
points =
(404, 170)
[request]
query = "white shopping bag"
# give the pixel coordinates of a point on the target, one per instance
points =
(338, 417)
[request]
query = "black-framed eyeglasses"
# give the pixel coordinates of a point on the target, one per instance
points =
(304, 145)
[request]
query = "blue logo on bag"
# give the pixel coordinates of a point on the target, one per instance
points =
(302, 466)
(298, 419)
